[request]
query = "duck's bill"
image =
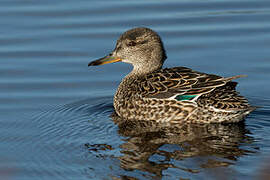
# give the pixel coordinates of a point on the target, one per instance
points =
(104, 60)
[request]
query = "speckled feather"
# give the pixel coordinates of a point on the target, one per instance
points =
(149, 98)
(165, 83)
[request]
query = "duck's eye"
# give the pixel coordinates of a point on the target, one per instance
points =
(131, 43)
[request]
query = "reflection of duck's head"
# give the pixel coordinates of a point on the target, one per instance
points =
(210, 141)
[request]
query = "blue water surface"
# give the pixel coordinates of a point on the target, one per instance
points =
(55, 112)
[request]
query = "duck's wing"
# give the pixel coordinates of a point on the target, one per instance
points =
(179, 83)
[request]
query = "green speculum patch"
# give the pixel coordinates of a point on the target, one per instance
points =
(185, 97)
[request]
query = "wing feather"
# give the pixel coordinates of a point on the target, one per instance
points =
(166, 83)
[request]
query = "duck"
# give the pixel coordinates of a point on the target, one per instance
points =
(170, 95)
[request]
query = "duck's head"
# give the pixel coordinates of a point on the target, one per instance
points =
(141, 47)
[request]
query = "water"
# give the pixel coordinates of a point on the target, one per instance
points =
(55, 112)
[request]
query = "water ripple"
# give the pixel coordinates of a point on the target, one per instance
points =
(45, 47)
(64, 130)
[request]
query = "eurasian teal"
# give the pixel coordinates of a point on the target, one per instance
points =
(173, 95)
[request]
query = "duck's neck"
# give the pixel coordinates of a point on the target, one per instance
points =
(137, 72)
(141, 70)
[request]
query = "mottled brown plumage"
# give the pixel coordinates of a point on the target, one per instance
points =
(172, 95)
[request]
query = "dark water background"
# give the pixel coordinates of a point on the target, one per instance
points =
(55, 111)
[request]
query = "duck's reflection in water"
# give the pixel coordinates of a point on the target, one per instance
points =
(153, 147)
